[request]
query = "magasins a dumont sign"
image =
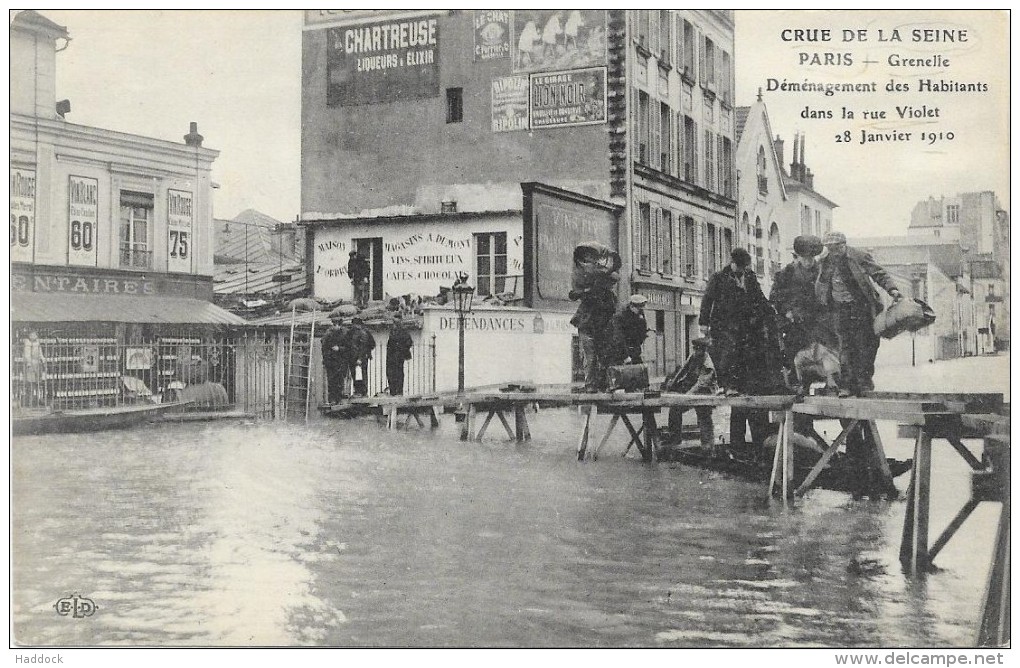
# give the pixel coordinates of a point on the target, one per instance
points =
(383, 61)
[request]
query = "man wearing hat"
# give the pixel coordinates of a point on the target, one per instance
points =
(398, 351)
(359, 272)
(736, 314)
(362, 343)
(793, 295)
(336, 360)
(594, 314)
(732, 311)
(845, 289)
(628, 330)
(696, 376)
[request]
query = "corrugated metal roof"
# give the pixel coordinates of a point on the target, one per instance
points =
(62, 307)
(249, 234)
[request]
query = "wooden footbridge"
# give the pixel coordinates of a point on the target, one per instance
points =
(925, 417)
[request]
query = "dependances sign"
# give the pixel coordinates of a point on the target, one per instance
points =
(383, 62)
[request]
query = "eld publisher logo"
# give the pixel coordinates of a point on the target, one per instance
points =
(75, 606)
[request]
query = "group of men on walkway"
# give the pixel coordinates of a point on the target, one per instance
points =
(346, 350)
(755, 341)
(749, 342)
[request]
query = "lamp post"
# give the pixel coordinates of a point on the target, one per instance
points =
(462, 296)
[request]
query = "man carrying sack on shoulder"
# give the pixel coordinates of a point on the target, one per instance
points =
(845, 290)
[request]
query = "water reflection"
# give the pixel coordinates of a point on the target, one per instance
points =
(341, 533)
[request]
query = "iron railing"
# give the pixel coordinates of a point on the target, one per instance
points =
(134, 257)
(92, 372)
(419, 372)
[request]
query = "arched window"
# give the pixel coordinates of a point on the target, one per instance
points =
(759, 261)
(763, 181)
(775, 249)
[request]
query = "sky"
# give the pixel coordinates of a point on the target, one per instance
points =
(238, 75)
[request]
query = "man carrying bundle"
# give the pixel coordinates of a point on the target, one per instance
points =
(593, 283)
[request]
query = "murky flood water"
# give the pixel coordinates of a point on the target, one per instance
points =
(341, 533)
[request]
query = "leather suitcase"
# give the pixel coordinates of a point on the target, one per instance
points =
(627, 377)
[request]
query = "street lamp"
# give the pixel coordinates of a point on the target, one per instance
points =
(462, 295)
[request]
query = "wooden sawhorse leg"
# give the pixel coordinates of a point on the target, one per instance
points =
(582, 445)
(782, 460)
(467, 430)
(651, 450)
(521, 423)
(824, 460)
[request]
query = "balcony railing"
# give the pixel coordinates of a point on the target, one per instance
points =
(507, 288)
(134, 257)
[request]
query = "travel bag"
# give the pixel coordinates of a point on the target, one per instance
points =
(906, 315)
(627, 377)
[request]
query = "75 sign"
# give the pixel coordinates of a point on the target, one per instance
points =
(179, 244)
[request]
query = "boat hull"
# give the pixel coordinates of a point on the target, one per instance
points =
(90, 419)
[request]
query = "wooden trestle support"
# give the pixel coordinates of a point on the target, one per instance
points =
(951, 417)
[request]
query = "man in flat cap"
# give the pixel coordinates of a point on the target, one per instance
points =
(845, 290)
(696, 376)
(793, 295)
(628, 330)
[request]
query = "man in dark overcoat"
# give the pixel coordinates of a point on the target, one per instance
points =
(627, 332)
(335, 360)
(592, 319)
(359, 271)
(735, 313)
(362, 345)
(793, 295)
(398, 351)
(732, 312)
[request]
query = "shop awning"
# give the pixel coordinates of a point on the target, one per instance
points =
(63, 307)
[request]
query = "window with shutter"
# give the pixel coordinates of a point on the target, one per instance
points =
(702, 71)
(665, 146)
(653, 156)
(665, 20)
(655, 238)
(653, 31)
(727, 79)
(643, 129)
(666, 261)
(690, 247)
(721, 179)
(708, 249)
(645, 223)
(678, 43)
(642, 27)
(690, 40)
(678, 149)
(709, 160)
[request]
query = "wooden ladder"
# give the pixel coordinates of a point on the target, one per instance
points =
(298, 386)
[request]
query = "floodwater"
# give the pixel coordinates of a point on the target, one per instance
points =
(340, 533)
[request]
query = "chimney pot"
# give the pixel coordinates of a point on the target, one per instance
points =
(193, 138)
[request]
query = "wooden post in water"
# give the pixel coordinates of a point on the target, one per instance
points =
(787, 427)
(995, 610)
(914, 548)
